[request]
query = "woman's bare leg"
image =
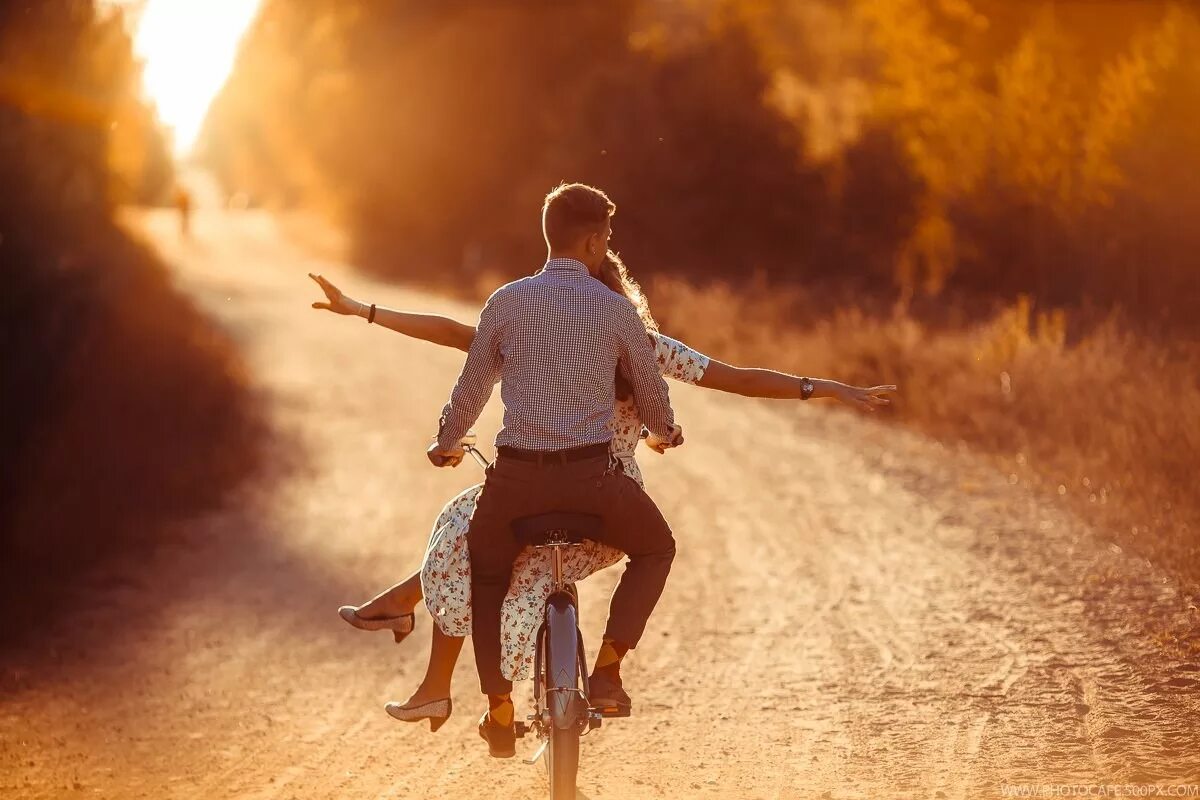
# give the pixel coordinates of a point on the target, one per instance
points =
(396, 601)
(443, 655)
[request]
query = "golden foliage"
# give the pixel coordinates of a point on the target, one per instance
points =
(1032, 123)
(1128, 87)
(971, 146)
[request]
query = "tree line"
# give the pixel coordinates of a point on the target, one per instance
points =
(901, 149)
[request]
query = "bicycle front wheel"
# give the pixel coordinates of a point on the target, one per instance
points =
(561, 682)
(562, 760)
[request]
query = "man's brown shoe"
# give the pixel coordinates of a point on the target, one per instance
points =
(607, 695)
(501, 739)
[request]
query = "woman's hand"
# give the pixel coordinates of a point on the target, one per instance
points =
(866, 399)
(338, 302)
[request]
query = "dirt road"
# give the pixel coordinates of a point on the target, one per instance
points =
(854, 611)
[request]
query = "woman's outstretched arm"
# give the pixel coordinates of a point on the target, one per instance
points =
(754, 382)
(428, 327)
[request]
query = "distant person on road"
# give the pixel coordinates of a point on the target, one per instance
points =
(444, 578)
(183, 203)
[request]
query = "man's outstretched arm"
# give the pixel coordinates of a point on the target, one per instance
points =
(475, 383)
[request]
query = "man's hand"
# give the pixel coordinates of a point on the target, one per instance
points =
(866, 398)
(338, 302)
(660, 446)
(444, 458)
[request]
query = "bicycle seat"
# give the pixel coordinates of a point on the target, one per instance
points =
(556, 528)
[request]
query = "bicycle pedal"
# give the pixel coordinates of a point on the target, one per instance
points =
(612, 712)
(521, 729)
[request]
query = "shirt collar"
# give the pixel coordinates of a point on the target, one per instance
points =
(568, 264)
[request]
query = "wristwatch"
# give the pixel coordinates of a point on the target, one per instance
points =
(806, 388)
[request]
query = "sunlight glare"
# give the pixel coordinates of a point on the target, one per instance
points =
(188, 47)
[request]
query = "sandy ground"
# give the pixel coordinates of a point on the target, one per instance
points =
(854, 612)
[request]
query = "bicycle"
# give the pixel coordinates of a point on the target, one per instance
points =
(562, 713)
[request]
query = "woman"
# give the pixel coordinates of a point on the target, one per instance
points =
(444, 579)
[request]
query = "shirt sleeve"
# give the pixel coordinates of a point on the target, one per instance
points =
(479, 376)
(677, 361)
(639, 364)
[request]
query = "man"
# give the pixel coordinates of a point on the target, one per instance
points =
(555, 341)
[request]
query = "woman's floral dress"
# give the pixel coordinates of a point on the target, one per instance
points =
(446, 572)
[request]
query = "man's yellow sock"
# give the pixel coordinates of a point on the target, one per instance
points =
(500, 709)
(608, 660)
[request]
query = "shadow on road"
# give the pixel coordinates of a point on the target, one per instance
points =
(139, 478)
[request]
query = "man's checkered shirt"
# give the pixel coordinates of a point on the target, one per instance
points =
(554, 341)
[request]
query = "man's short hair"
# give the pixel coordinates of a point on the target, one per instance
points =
(572, 210)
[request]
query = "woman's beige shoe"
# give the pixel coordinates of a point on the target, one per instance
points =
(436, 711)
(400, 626)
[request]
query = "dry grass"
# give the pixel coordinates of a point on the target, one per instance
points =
(1107, 423)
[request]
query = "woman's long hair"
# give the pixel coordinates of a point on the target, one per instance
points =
(615, 275)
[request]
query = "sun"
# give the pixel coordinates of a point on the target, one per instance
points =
(188, 48)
